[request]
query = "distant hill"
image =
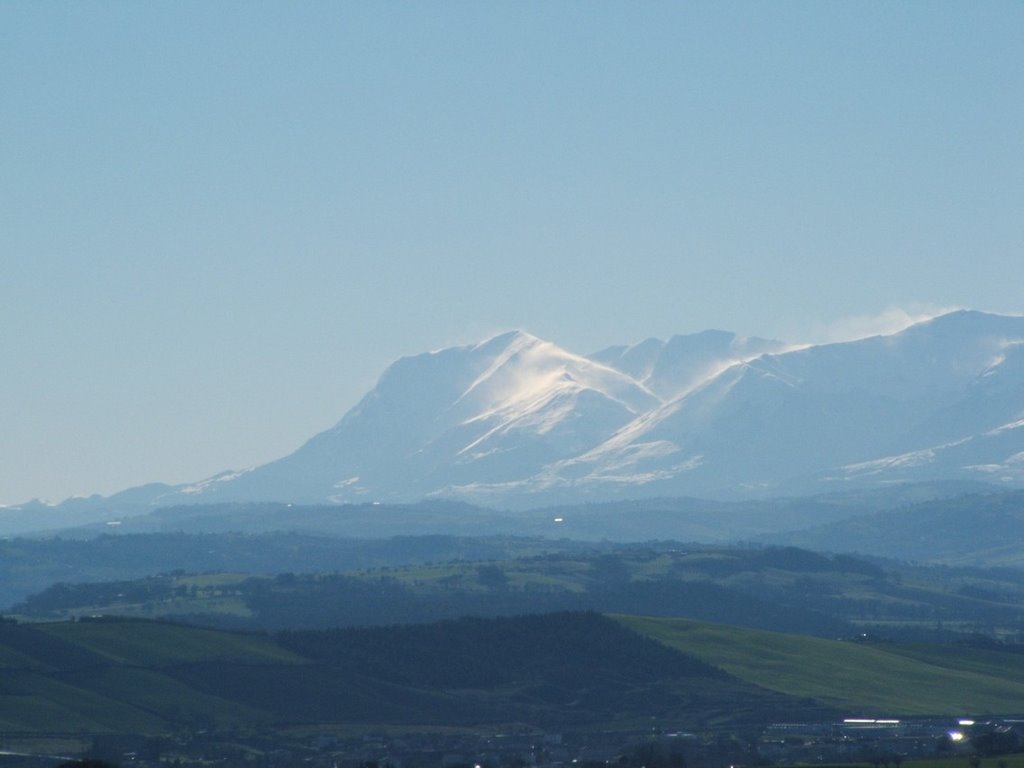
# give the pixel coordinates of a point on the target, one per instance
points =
(777, 588)
(982, 530)
(626, 580)
(679, 518)
(28, 566)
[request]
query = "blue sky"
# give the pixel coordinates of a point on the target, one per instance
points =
(220, 221)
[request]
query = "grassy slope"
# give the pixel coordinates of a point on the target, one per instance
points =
(573, 670)
(131, 676)
(156, 644)
(109, 676)
(144, 677)
(870, 679)
(34, 702)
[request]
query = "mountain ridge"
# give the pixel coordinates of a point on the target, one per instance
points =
(515, 420)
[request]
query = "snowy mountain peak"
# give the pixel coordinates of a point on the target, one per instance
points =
(518, 420)
(671, 368)
(529, 370)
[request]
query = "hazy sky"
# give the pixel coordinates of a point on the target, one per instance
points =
(220, 221)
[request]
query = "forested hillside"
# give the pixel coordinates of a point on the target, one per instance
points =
(781, 589)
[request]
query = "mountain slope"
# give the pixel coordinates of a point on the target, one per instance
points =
(793, 420)
(671, 368)
(497, 411)
(516, 421)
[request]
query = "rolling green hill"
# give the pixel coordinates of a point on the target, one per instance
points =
(152, 644)
(116, 677)
(564, 670)
(577, 671)
(856, 677)
(129, 682)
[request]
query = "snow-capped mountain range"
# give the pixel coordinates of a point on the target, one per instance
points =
(519, 421)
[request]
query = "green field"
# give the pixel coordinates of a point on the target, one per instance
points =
(118, 676)
(157, 644)
(860, 678)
